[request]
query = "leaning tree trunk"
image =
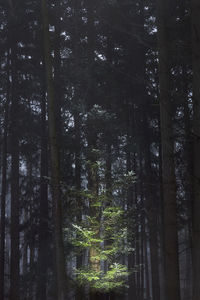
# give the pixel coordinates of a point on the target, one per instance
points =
(196, 104)
(55, 170)
(168, 168)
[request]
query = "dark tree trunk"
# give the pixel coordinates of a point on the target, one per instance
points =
(14, 206)
(147, 281)
(14, 136)
(43, 222)
(189, 193)
(196, 175)
(3, 200)
(131, 202)
(168, 169)
(55, 170)
(57, 76)
(152, 211)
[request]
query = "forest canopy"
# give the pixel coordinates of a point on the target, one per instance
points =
(99, 150)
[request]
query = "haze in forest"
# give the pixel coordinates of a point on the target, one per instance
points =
(99, 150)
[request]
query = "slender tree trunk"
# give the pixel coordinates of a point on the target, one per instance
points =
(142, 258)
(161, 221)
(77, 127)
(92, 136)
(195, 5)
(90, 51)
(131, 202)
(25, 260)
(168, 168)
(147, 283)
(189, 195)
(43, 222)
(32, 246)
(55, 171)
(57, 77)
(137, 256)
(14, 209)
(15, 254)
(3, 201)
(79, 258)
(151, 205)
(94, 212)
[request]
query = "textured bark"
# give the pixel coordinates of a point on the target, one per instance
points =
(195, 5)
(168, 169)
(55, 171)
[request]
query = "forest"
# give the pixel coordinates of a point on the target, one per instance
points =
(100, 150)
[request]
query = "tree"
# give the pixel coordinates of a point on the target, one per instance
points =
(172, 279)
(44, 214)
(55, 172)
(15, 194)
(3, 200)
(101, 96)
(104, 233)
(195, 26)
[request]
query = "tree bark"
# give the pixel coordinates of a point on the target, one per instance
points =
(43, 222)
(15, 254)
(151, 205)
(168, 168)
(55, 171)
(195, 6)
(3, 201)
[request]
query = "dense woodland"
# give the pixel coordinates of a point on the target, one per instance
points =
(100, 149)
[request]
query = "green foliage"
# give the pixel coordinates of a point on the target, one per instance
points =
(106, 234)
(114, 278)
(102, 231)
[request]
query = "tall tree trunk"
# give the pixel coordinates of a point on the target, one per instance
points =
(161, 220)
(151, 205)
(55, 171)
(57, 75)
(3, 200)
(94, 212)
(189, 195)
(15, 254)
(131, 201)
(147, 281)
(77, 124)
(77, 127)
(196, 105)
(14, 276)
(43, 222)
(168, 168)
(92, 137)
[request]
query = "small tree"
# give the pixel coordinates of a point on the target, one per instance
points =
(103, 232)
